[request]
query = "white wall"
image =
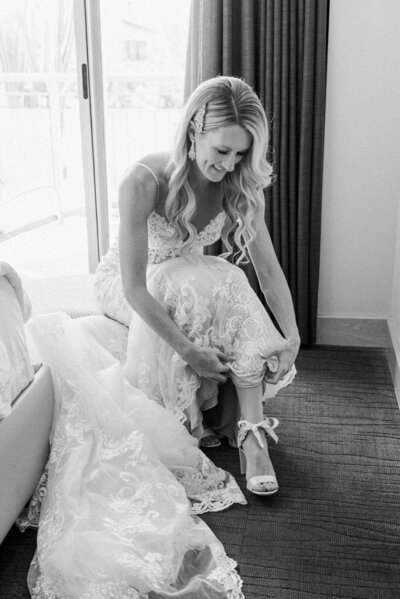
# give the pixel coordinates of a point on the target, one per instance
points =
(361, 188)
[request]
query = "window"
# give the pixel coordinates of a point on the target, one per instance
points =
(135, 49)
(144, 95)
(49, 223)
(42, 202)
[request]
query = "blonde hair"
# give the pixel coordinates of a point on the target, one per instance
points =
(216, 103)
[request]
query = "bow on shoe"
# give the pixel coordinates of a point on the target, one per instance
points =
(267, 425)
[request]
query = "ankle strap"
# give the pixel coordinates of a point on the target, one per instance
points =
(267, 425)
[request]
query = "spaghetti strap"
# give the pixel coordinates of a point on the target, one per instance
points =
(154, 177)
(150, 171)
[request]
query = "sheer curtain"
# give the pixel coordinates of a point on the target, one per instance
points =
(280, 48)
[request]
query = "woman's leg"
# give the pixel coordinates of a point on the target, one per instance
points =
(257, 458)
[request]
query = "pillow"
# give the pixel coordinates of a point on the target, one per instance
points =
(16, 370)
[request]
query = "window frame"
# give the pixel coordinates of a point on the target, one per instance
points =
(91, 109)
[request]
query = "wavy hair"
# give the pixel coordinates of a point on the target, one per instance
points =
(227, 101)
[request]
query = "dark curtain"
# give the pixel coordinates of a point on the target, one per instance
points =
(280, 48)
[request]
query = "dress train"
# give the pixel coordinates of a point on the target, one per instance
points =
(115, 520)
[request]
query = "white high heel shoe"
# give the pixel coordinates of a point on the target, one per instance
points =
(269, 480)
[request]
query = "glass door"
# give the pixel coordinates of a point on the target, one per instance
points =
(143, 47)
(43, 223)
(86, 89)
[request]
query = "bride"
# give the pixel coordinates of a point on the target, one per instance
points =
(126, 478)
(193, 319)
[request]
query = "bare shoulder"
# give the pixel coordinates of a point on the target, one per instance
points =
(156, 163)
(139, 188)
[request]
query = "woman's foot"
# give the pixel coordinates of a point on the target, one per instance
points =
(258, 464)
(255, 460)
(209, 439)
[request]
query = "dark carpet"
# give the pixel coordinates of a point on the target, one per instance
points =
(334, 528)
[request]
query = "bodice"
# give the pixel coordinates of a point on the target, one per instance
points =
(163, 245)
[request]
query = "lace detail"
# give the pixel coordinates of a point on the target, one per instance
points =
(29, 517)
(212, 304)
(175, 386)
(209, 488)
(162, 246)
(217, 498)
(224, 574)
(245, 330)
(228, 577)
(44, 588)
(108, 285)
(115, 520)
(109, 590)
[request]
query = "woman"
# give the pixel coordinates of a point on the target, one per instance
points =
(194, 320)
(125, 479)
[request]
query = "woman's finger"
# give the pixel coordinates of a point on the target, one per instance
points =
(219, 378)
(272, 378)
(221, 356)
(277, 376)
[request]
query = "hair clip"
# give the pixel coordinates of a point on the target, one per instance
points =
(198, 118)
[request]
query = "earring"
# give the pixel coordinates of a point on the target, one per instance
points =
(192, 151)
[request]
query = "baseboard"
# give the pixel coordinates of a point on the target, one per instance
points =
(364, 332)
(394, 356)
(358, 332)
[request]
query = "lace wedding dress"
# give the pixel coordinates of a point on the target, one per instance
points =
(125, 479)
(213, 305)
(123, 483)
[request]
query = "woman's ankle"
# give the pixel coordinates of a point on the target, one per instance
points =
(250, 442)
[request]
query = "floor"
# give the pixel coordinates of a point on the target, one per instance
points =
(334, 528)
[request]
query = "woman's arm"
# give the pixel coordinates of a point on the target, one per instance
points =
(276, 291)
(137, 197)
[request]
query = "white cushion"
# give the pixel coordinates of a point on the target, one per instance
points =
(16, 370)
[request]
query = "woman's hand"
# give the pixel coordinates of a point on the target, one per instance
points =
(286, 357)
(207, 362)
